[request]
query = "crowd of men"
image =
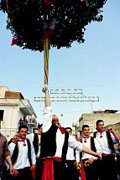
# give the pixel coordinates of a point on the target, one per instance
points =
(54, 154)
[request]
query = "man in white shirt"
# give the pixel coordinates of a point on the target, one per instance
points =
(35, 139)
(70, 152)
(22, 155)
(89, 161)
(54, 143)
(106, 139)
(71, 169)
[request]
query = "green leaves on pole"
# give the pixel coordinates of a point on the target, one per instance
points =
(28, 19)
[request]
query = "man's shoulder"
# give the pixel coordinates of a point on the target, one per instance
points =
(3, 137)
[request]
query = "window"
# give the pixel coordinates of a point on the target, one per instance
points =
(1, 115)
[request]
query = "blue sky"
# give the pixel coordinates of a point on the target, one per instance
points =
(93, 66)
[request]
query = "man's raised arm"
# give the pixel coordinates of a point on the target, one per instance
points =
(47, 99)
(47, 115)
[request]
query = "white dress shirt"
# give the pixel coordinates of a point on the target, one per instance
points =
(22, 160)
(103, 142)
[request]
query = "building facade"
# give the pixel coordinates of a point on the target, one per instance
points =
(110, 118)
(14, 108)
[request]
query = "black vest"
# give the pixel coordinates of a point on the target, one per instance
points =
(48, 143)
(36, 143)
(16, 151)
(109, 139)
(92, 146)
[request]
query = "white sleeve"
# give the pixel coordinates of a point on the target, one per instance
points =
(77, 156)
(11, 148)
(47, 119)
(113, 138)
(75, 144)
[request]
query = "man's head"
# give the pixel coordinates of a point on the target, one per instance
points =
(55, 119)
(23, 131)
(86, 130)
(100, 125)
(69, 130)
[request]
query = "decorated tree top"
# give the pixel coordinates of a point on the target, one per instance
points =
(63, 21)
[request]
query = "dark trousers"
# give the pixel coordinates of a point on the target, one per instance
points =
(60, 171)
(107, 168)
(118, 166)
(23, 174)
(39, 169)
(0, 170)
(71, 172)
(91, 171)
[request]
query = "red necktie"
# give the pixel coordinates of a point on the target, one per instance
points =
(22, 140)
(60, 127)
(85, 138)
(101, 133)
